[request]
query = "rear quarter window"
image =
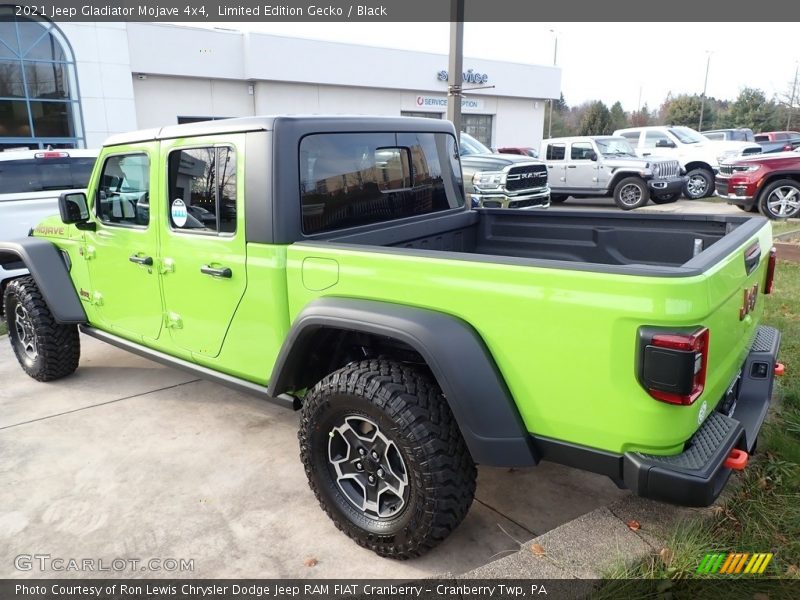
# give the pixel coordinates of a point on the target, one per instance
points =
(352, 179)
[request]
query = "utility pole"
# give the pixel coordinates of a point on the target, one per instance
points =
(455, 78)
(555, 58)
(791, 102)
(703, 97)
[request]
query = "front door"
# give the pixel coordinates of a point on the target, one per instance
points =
(121, 253)
(203, 241)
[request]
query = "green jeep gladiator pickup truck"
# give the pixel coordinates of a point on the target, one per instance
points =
(331, 265)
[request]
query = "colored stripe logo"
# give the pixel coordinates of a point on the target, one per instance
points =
(735, 563)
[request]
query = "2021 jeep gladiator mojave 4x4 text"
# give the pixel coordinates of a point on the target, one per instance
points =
(601, 165)
(331, 264)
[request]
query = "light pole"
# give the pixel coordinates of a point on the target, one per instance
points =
(791, 102)
(555, 58)
(455, 76)
(703, 97)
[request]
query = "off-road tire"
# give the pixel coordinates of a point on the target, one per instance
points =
(770, 204)
(692, 189)
(631, 193)
(666, 198)
(558, 198)
(54, 350)
(409, 410)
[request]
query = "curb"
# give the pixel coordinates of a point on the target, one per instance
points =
(589, 546)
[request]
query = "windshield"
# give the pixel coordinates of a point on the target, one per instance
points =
(687, 135)
(469, 145)
(614, 146)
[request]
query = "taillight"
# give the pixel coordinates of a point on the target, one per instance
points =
(773, 259)
(51, 154)
(673, 365)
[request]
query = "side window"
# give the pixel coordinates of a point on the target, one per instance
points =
(123, 196)
(202, 189)
(581, 151)
(715, 136)
(632, 137)
(651, 138)
(556, 151)
(352, 179)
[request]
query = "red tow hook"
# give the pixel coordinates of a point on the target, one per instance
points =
(737, 460)
(780, 369)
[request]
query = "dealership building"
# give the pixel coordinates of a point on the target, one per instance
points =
(74, 84)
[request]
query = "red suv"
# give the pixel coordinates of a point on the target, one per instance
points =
(769, 183)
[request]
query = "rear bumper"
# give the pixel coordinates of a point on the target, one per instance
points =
(696, 476)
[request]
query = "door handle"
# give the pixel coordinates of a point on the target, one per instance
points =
(142, 260)
(646, 153)
(221, 272)
(572, 166)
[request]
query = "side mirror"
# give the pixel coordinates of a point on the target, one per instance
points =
(665, 144)
(73, 207)
(593, 155)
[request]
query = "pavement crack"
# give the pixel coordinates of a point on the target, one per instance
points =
(82, 408)
(506, 517)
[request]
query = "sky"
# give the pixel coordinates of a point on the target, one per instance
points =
(630, 62)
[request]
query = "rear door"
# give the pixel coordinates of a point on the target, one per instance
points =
(203, 240)
(556, 161)
(581, 169)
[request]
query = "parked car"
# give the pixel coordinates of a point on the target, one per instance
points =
(778, 141)
(741, 134)
(698, 155)
(415, 335)
(604, 165)
(769, 183)
(523, 150)
(30, 183)
(502, 180)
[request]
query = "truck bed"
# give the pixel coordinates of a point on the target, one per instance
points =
(599, 241)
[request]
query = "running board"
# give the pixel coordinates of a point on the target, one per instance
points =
(284, 400)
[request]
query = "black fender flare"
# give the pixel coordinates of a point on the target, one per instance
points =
(456, 354)
(50, 270)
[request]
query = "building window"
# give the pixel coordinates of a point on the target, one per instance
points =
(424, 115)
(479, 127)
(39, 104)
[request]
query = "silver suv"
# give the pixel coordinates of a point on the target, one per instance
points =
(30, 183)
(607, 165)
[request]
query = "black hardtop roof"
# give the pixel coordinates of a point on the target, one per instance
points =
(320, 123)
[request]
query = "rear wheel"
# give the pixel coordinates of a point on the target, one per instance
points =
(666, 198)
(45, 349)
(385, 458)
(699, 184)
(780, 199)
(631, 193)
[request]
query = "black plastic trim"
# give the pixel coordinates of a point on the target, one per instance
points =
(47, 267)
(242, 385)
(455, 353)
(258, 187)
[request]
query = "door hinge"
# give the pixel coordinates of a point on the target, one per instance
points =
(97, 299)
(167, 266)
(173, 320)
(87, 252)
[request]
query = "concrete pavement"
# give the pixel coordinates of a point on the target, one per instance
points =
(128, 459)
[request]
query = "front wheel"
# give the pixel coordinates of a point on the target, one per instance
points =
(558, 198)
(699, 184)
(45, 349)
(780, 199)
(666, 198)
(385, 458)
(631, 193)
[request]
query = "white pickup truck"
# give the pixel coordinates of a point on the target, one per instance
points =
(698, 155)
(30, 183)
